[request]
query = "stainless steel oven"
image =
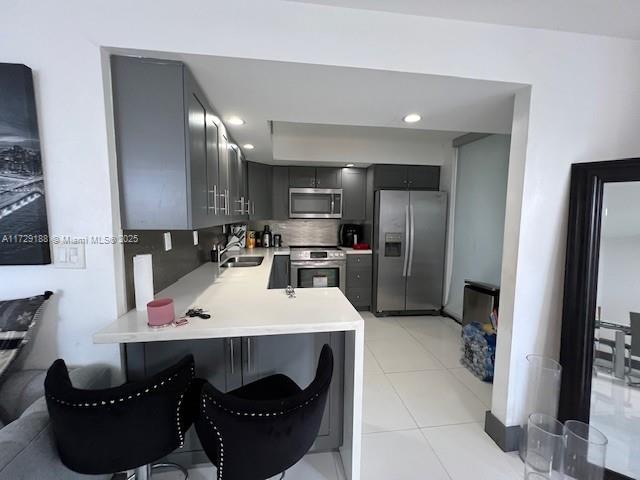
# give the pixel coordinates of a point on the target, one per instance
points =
(318, 267)
(315, 203)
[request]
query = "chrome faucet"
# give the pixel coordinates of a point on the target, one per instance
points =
(291, 293)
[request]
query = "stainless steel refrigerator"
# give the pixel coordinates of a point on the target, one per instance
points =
(409, 251)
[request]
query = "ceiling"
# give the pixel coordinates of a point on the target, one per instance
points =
(616, 18)
(621, 217)
(262, 92)
(338, 145)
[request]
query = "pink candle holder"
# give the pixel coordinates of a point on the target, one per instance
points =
(160, 312)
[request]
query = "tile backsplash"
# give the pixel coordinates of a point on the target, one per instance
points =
(302, 232)
(168, 267)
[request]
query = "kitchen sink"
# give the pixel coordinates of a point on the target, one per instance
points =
(242, 261)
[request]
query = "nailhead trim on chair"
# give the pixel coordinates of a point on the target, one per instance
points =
(131, 397)
(253, 414)
(178, 423)
(113, 401)
(206, 397)
(221, 443)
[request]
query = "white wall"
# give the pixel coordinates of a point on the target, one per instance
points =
(478, 222)
(584, 106)
(360, 145)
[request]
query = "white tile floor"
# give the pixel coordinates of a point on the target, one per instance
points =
(422, 415)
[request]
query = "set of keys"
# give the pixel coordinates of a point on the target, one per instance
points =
(191, 313)
(197, 312)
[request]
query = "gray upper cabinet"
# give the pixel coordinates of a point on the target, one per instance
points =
(242, 182)
(224, 174)
(311, 177)
(328, 177)
(234, 184)
(149, 115)
(425, 177)
(417, 177)
(390, 176)
(213, 167)
(260, 177)
(354, 185)
(302, 177)
(173, 159)
(196, 115)
(280, 192)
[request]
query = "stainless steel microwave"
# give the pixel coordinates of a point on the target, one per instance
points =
(315, 203)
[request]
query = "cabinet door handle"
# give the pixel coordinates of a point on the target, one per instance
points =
(231, 356)
(214, 193)
(249, 367)
(241, 202)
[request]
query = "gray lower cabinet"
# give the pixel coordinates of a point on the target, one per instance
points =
(260, 178)
(354, 188)
(280, 192)
(279, 277)
(359, 280)
(228, 363)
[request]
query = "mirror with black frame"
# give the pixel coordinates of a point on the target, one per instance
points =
(600, 350)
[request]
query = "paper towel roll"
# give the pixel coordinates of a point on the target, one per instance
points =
(143, 280)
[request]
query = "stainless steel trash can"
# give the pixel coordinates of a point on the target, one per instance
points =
(480, 299)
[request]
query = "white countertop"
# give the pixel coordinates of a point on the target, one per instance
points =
(353, 251)
(240, 304)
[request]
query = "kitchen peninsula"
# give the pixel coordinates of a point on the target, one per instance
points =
(254, 331)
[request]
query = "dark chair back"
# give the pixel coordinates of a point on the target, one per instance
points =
(121, 428)
(249, 439)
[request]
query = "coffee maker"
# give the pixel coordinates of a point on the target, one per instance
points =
(350, 233)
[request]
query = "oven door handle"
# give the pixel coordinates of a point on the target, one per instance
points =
(329, 264)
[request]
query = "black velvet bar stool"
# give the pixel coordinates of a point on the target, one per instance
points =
(121, 428)
(265, 427)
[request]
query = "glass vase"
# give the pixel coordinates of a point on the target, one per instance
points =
(585, 451)
(545, 448)
(543, 392)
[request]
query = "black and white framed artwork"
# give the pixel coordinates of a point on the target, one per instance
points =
(24, 236)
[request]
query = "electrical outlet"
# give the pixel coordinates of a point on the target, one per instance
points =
(195, 237)
(167, 241)
(69, 255)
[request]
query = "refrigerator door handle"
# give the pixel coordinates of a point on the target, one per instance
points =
(411, 238)
(406, 240)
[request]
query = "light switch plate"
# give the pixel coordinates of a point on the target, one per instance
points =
(69, 255)
(167, 241)
(195, 237)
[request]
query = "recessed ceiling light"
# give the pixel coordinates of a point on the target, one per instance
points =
(412, 118)
(236, 120)
(350, 164)
(248, 146)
